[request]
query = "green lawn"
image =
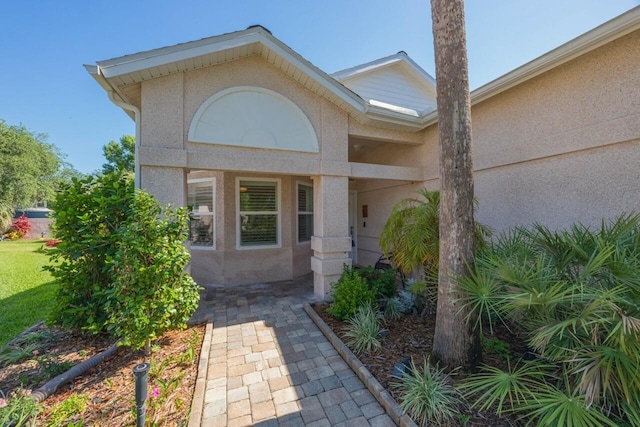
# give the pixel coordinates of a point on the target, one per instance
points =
(26, 292)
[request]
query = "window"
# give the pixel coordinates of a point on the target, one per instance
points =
(201, 196)
(258, 213)
(305, 212)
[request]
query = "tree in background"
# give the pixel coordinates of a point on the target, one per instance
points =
(456, 342)
(120, 155)
(29, 169)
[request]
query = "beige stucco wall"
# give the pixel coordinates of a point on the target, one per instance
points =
(561, 147)
(165, 147)
(564, 146)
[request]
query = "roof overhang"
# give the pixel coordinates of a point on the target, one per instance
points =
(121, 75)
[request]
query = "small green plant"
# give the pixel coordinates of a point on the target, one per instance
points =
(349, 294)
(362, 332)
(37, 337)
(382, 282)
(428, 395)
(10, 355)
(392, 308)
(68, 409)
(50, 367)
(407, 301)
(496, 346)
(157, 368)
(188, 357)
(18, 410)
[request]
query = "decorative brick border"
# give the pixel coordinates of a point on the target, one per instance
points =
(197, 402)
(380, 393)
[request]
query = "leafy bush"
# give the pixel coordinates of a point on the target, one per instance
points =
(349, 294)
(86, 216)
(22, 225)
(382, 282)
(428, 395)
(363, 330)
(151, 292)
(574, 295)
(120, 265)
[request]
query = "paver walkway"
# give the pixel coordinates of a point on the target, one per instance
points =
(270, 365)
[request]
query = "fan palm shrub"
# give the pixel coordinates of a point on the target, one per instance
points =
(574, 296)
(410, 237)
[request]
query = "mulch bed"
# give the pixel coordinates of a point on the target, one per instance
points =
(412, 336)
(110, 385)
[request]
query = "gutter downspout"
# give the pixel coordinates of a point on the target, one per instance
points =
(136, 112)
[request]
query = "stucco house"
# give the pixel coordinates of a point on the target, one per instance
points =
(291, 170)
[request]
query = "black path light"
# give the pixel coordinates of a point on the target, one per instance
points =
(140, 371)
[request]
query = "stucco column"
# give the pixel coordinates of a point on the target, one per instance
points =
(167, 184)
(330, 242)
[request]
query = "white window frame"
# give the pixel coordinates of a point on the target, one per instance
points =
(212, 180)
(298, 212)
(277, 212)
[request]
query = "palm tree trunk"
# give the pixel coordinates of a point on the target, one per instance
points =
(455, 343)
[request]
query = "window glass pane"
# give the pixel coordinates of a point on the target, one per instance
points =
(258, 196)
(305, 227)
(200, 199)
(305, 198)
(202, 230)
(257, 230)
(305, 212)
(200, 196)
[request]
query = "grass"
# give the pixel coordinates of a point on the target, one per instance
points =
(26, 291)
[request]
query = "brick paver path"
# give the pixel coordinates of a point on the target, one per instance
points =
(269, 364)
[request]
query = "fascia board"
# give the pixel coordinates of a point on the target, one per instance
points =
(603, 34)
(384, 115)
(315, 73)
(163, 56)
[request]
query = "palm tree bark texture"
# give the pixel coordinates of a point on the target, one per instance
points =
(456, 343)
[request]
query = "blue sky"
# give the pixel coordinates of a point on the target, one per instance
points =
(44, 44)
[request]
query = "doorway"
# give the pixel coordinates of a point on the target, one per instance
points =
(353, 226)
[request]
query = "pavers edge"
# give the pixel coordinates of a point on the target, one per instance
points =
(197, 402)
(380, 393)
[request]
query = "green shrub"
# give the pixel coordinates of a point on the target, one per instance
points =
(120, 265)
(86, 216)
(349, 294)
(574, 295)
(428, 395)
(383, 282)
(363, 330)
